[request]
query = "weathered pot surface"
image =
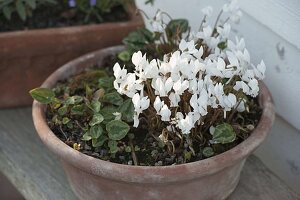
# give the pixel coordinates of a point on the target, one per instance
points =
(28, 57)
(214, 178)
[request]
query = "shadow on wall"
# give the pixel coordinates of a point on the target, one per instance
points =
(8, 191)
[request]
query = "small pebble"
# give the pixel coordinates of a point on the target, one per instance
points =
(122, 157)
(103, 152)
(250, 127)
(186, 145)
(168, 160)
(87, 147)
(121, 148)
(96, 154)
(130, 162)
(159, 155)
(86, 152)
(154, 153)
(159, 163)
(150, 139)
(180, 160)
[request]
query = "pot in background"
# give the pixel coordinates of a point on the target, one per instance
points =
(28, 57)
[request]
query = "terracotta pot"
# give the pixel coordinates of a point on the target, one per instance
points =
(210, 179)
(27, 58)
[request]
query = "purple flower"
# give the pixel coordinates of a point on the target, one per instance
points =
(93, 2)
(72, 3)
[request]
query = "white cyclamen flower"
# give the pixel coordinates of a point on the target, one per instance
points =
(140, 103)
(241, 85)
(253, 84)
(218, 90)
(180, 86)
(129, 85)
(174, 99)
(158, 104)
(186, 124)
(165, 113)
(158, 26)
(199, 104)
(260, 70)
(157, 23)
(224, 31)
(232, 6)
(205, 34)
(162, 86)
(139, 60)
(229, 101)
(207, 11)
(241, 105)
(188, 47)
(151, 70)
(233, 9)
(239, 46)
(119, 73)
(162, 109)
(235, 17)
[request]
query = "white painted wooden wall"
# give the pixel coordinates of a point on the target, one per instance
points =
(271, 29)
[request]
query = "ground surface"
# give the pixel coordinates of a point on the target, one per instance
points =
(37, 173)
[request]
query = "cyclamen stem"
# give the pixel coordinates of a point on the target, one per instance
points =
(214, 118)
(64, 134)
(234, 111)
(216, 23)
(202, 22)
(150, 92)
(143, 12)
(162, 12)
(134, 157)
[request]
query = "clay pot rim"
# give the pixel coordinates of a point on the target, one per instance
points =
(148, 174)
(130, 8)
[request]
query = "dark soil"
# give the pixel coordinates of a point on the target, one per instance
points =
(148, 150)
(59, 15)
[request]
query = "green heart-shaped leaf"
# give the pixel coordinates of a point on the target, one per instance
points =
(127, 110)
(95, 106)
(223, 134)
(42, 95)
(114, 98)
(96, 131)
(86, 137)
(78, 110)
(177, 27)
(106, 82)
(117, 129)
(73, 100)
(97, 119)
(124, 56)
(107, 113)
(98, 142)
(113, 146)
(208, 152)
(65, 120)
(62, 110)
